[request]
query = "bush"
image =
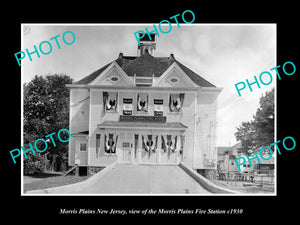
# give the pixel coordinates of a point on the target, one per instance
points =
(34, 164)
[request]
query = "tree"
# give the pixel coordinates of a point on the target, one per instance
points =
(46, 110)
(260, 131)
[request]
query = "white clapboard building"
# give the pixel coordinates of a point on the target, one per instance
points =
(143, 109)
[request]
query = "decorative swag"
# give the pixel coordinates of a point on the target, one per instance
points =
(176, 102)
(110, 100)
(111, 143)
(149, 143)
(142, 102)
(169, 143)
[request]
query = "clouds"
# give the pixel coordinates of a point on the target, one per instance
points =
(222, 54)
(225, 55)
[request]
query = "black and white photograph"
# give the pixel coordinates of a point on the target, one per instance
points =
(142, 111)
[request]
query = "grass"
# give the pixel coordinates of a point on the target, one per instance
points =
(42, 181)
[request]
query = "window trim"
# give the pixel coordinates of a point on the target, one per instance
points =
(82, 143)
(110, 154)
(142, 112)
(118, 102)
(169, 111)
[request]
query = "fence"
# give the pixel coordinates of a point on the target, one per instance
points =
(259, 177)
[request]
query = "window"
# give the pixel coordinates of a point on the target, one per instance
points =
(127, 106)
(82, 147)
(158, 107)
(142, 102)
(110, 144)
(110, 100)
(176, 102)
(97, 144)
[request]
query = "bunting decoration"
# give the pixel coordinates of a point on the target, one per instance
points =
(148, 144)
(142, 102)
(97, 144)
(110, 100)
(110, 143)
(176, 102)
(163, 143)
(171, 143)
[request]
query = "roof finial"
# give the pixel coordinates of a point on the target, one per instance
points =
(172, 55)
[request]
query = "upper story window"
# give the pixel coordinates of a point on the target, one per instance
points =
(127, 106)
(110, 100)
(158, 107)
(176, 102)
(142, 102)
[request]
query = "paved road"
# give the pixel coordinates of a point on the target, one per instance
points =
(146, 179)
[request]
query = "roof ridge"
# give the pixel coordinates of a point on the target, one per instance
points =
(141, 57)
(186, 69)
(92, 76)
(147, 60)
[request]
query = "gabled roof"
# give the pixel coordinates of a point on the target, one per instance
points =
(148, 66)
(92, 76)
(145, 66)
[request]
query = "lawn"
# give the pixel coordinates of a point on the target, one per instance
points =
(43, 181)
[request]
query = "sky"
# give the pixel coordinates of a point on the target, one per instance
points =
(223, 54)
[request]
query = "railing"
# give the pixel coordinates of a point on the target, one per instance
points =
(143, 81)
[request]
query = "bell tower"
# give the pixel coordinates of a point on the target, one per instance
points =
(146, 43)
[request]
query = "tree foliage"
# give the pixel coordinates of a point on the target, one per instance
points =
(260, 131)
(46, 110)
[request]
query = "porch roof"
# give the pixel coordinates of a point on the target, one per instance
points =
(143, 125)
(80, 133)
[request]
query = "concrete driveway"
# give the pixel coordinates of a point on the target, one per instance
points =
(134, 179)
(147, 179)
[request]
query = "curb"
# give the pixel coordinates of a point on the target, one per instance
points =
(205, 182)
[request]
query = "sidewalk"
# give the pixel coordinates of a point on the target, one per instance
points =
(147, 179)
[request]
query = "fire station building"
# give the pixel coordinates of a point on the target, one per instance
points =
(143, 110)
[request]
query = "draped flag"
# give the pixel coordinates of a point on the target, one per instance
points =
(110, 143)
(110, 100)
(142, 102)
(149, 144)
(176, 102)
(97, 144)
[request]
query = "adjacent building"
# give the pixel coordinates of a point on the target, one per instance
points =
(143, 110)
